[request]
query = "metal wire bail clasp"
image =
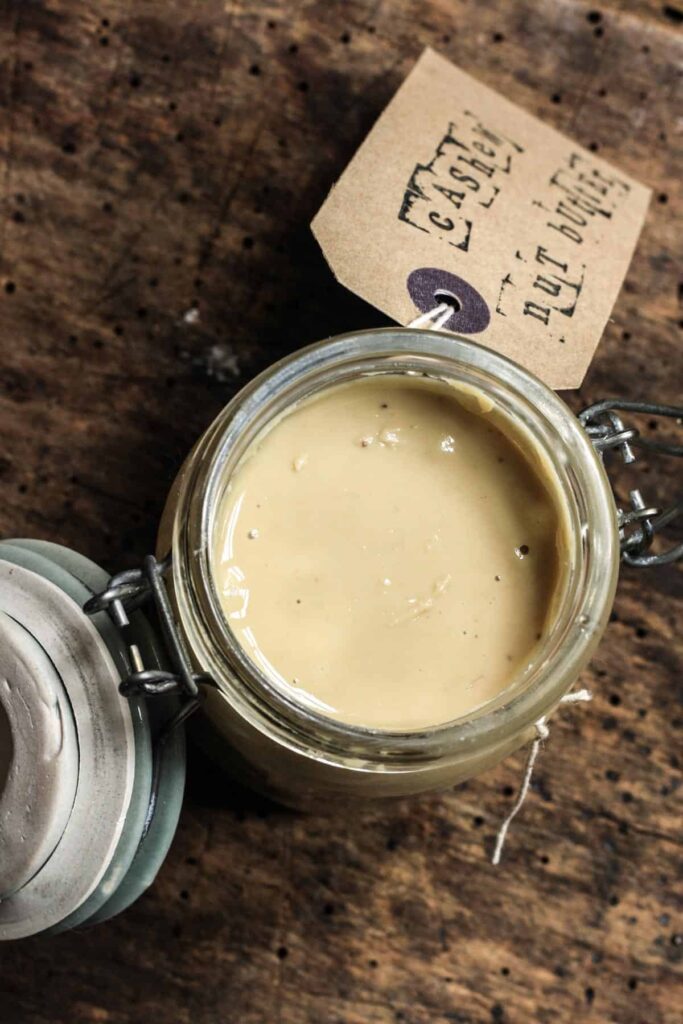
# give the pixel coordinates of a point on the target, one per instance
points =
(639, 524)
(126, 592)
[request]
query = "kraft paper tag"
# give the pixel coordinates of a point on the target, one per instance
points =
(458, 194)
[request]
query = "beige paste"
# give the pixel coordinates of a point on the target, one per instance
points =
(388, 554)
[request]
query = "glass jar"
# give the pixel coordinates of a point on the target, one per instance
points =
(307, 760)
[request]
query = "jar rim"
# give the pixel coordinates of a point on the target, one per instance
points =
(558, 434)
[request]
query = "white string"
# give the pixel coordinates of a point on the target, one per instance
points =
(435, 318)
(542, 733)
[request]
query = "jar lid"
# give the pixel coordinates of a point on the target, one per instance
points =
(63, 649)
(36, 793)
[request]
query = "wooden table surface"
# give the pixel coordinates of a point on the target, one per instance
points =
(161, 161)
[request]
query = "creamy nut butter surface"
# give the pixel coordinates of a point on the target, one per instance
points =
(388, 553)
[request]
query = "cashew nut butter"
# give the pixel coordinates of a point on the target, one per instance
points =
(388, 554)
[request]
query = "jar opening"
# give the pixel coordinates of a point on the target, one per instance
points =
(549, 431)
(369, 551)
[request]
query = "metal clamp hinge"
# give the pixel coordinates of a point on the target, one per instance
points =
(639, 524)
(126, 592)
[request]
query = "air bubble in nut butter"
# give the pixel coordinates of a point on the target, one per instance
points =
(388, 554)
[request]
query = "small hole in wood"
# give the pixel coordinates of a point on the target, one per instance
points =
(673, 13)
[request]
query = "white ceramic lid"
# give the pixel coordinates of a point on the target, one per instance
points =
(104, 729)
(38, 756)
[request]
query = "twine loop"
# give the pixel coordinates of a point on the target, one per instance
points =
(542, 734)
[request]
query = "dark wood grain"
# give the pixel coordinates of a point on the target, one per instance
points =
(165, 157)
